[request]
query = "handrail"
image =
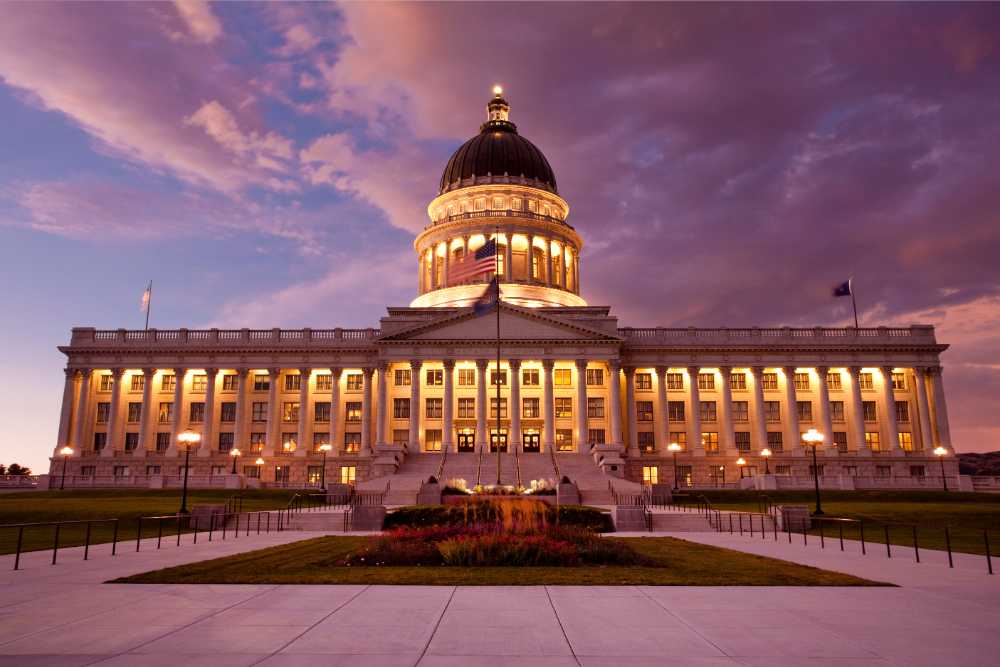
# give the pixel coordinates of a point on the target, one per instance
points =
(479, 468)
(440, 470)
(555, 463)
(517, 467)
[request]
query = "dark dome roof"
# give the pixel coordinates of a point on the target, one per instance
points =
(498, 154)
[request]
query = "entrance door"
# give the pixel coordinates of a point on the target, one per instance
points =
(532, 443)
(466, 442)
(498, 441)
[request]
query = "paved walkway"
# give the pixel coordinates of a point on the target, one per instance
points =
(64, 615)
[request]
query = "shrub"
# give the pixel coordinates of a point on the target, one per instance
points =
(507, 550)
(484, 511)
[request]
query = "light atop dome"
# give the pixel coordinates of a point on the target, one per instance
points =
(497, 90)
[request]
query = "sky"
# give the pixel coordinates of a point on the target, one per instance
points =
(269, 165)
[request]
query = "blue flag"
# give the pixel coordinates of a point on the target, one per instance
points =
(843, 289)
(488, 301)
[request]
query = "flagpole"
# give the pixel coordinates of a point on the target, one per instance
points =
(149, 302)
(497, 278)
(850, 288)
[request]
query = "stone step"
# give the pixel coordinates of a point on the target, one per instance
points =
(317, 521)
(680, 522)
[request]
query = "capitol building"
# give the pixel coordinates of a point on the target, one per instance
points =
(578, 390)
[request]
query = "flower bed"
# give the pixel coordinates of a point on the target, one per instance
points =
(419, 516)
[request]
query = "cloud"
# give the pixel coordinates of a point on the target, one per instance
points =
(201, 22)
(269, 151)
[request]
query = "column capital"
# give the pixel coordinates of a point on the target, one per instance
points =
(615, 365)
(694, 370)
(855, 371)
(383, 367)
(335, 372)
(515, 364)
(415, 364)
(822, 371)
(887, 370)
(757, 371)
(548, 364)
(305, 371)
(629, 371)
(274, 372)
(369, 371)
(179, 371)
(243, 372)
(210, 372)
(725, 371)
(483, 364)
(788, 370)
(581, 364)
(661, 371)
(118, 373)
(70, 372)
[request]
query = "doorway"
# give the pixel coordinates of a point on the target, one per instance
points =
(498, 441)
(532, 443)
(466, 442)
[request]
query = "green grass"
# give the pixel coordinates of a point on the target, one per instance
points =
(315, 561)
(126, 505)
(967, 515)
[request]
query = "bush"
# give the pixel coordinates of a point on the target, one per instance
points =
(507, 550)
(422, 516)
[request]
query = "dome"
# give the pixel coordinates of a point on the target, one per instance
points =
(498, 154)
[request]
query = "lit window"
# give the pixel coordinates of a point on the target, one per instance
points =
(710, 441)
(706, 381)
(320, 438)
(675, 411)
(348, 474)
(197, 412)
(355, 381)
(400, 408)
(902, 411)
(166, 412)
(321, 411)
(772, 411)
(352, 442)
(529, 377)
(466, 408)
(872, 441)
(503, 408)
(530, 408)
(866, 382)
(675, 381)
(707, 410)
(466, 377)
(644, 381)
(433, 408)
(564, 408)
(401, 377)
(199, 382)
(595, 408)
(837, 411)
(352, 412)
(293, 382)
(257, 442)
(259, 411)
(741, 411)
(833, 381)
(434, 377)
(870, 411)
(805, 410)
(681, 438)
(290, 411)
(502, 375)
(738, 381)
(646, 441)
(432, 440)
(564, 439)
(769, 381)
(899, 381)
(138, 382)
(906, 441)
(595, 377)
(650, 475)
(324, 382)
(261, 382)
(563, 377)
(802, 381)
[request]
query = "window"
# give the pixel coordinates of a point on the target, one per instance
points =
(502, 377)
(401, 377)
(324, 382)
(197, 412)
(199, 382)
(675, 381)
(563, 377)
(166, 412)
(257, 442)
(352, 442)
(131, 441)
(281, 474)
(434, 377)
(872, 441)
(706, 381)
(906, 441)
(741, 411)
(289, 441)
(684, 475)
(833, 381)
(837, 412)
(742, 440)
(805, 410)
(88, 471)
(774, 441)
(681, 438)
(738, 381)
(769, 381)
(595, 408)
(352, 412)
(902, 411)
(401, 436)
(650, 475)
(644, 381)
(261, 382)
(138, 382)
(466, 377)
(251, 472)
(230, 382)
(314, 475)
(466, 408)
(707, 410)
(802, 381)
(320, 438)
(595, 377)
(433, 408)
(675, 411)
(290, 411)
(293, 382)
(152, 471)
(646, 441)
(710, 441)
(784, 470)
(564, 407)
(595, 436)
(869, 410)
(529, 408)
(772, 411)
(840, 440)
(400, 408)
(432, 440)
(818, 469)
(107, 382)
(564, 439)
(865, 380)
(134, 412)
(899, 381)
(225, 441)
(348, 474)
(228, 413)
(103, 412)
(100, 441)
(918, 471)
(529, 377)
(883, 472)
(321, 411)
(503, 408)
(162, 442)
(355, 381)
(120, 471)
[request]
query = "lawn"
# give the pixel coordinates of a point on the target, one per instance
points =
(967, 515)
(127, 505)
(680, 563)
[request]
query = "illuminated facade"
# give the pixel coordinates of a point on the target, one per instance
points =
(573, 382)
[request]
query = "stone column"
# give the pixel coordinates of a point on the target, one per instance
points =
(177, 424)
(923, 407)
(208, 428)
(305, 438)
(857, 416)
(380, 405)
(147, 412)
(240, 439)
(114, 416)
(447, 410)
(366, 411)
(695, 445)
(434, 265)
(581, 405)
(890, 428)
(576, 269)
(515, 405)
(447, 262)
(940, 408)
(562, 265)
(633, 437)
(336, 436)
(421, 273)
(271, 444)
(662, 438)
(531, 260)
(615, 422)
(482, 435)
(727, 436)
(66, 414)
(793, 439)
(548, 262)
(414, 437)
(509, 259)
(824, 408)
(757, 424)
(82, 408)
(548, 398)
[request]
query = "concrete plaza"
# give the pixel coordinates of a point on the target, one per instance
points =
(65, 615)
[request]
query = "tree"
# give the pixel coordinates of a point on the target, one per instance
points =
(3, 469)
(17, 469)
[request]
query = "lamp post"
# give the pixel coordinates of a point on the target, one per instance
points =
(325, 447)
(813, 439)
(260, 468)
(939, 452)
(235, 453)
(766, 454)
(673, 448)
(187, 440)
(68, 452)
(740, 462)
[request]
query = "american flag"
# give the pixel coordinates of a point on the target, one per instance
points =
(484, 260)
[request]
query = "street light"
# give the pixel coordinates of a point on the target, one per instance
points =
(741, 462)
(260, 466)
(68, 452)
(766, 454)
(813, 439)
(187, 440)
(673, 448)
(235, 453)
(939, 452)
(325, 447)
